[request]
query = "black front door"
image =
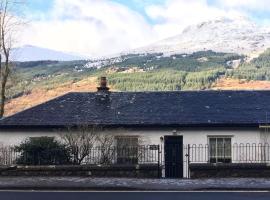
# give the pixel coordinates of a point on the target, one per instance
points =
(173, 147)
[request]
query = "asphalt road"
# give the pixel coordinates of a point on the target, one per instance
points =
(134, 195)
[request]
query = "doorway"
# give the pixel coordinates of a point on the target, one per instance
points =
(173, 150)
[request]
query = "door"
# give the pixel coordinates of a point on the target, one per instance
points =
(173, 147)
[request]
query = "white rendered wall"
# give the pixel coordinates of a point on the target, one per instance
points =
(192, 136)
(152, 136)
(11, 138)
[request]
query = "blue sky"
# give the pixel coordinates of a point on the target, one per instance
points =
(45, 6)
(137, 5)
(140, 5)
(102, 27)
(40, 5)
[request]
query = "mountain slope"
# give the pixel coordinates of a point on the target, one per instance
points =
(40, 81)
(41, 95)
(222, 35)
(33, 53)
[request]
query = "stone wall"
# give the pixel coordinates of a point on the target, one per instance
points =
(222, 170)
(135, 171)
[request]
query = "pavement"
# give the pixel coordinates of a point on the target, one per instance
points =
(131, 184)
(134, 195)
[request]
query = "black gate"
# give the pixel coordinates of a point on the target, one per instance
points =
(173, 149)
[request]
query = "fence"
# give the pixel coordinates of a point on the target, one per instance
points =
(149, 154)
(226, 153)
(235, 153)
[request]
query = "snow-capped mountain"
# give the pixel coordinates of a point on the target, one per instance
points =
(228, 35)
(33, 53)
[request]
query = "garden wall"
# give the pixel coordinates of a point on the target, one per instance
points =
(223, 170)
(134, 171)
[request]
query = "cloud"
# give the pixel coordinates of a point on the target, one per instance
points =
(251, 5)
(103, 27)
(91, 27)
(175, 15)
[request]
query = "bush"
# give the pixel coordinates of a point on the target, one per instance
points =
(42, 151)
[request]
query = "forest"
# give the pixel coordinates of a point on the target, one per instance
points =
(197, 71)
(165, 80)
(257, 69)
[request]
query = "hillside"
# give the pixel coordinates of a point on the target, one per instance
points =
(36, 82)
(256, 69)
(240, 84)
(38, 96)
(51, 74)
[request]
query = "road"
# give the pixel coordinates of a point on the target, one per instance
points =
(134, 195)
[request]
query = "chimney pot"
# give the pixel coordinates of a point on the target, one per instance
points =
(103, 85)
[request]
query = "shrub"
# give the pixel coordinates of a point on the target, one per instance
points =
(42, 151)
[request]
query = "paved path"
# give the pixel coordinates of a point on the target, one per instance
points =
(133, 196)
(77, 183)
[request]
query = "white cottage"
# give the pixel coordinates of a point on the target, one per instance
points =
(214, 121)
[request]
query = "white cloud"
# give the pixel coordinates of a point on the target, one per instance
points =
(103, 27)
(92, 27)
(251, 5)
(175, 15)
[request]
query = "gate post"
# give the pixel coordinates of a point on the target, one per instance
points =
(188, 161)
(159, 154)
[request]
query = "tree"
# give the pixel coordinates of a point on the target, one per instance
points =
(80, 141)
(42, 151)
(105, 144)
(6, 155)
(9, 27)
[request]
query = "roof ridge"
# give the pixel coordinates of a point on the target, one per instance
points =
(173, 91)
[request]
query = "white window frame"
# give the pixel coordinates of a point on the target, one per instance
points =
(224, 157)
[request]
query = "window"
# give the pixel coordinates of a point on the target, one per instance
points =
(127, 149)
(220, 150)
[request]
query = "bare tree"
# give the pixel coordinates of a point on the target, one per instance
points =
(101, 147)
(105, 143)
(123, 149)
(80, 141)
(9, 28)
(6, 155)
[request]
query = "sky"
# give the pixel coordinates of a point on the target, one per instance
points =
(105, 27)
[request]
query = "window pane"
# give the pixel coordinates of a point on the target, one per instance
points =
(220, 149)
(227, 143)
(127, 149)
(133, 142)
(126, 141)
(212, 143)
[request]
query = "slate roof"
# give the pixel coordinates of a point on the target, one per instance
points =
(189, 108)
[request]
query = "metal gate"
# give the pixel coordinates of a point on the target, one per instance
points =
(173, 153)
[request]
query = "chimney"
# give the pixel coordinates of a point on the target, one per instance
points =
(103, 85)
